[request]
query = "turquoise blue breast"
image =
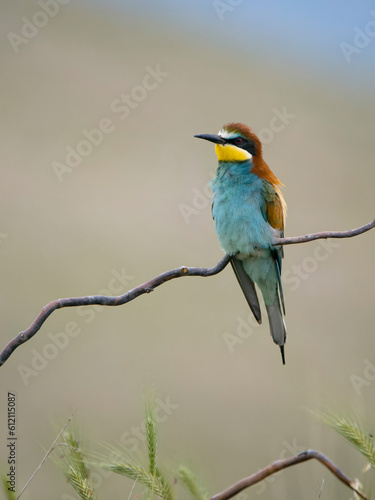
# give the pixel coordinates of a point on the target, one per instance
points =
(238, 209)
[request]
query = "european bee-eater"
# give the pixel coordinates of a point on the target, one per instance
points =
(249, 210)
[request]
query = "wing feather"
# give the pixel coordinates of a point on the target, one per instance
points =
(274, 211)
(274, 206)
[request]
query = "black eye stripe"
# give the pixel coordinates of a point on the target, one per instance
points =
(244, 144)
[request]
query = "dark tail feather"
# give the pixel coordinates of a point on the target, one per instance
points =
(277, 325)
(278, 271)
(248, 288)
(282, 354)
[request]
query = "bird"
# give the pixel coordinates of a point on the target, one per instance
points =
(249, 210)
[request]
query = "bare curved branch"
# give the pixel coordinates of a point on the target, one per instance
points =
(104, 300)
(283, 464)
(324, 235)
(149, 286)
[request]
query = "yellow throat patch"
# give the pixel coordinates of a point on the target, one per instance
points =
(231, 153)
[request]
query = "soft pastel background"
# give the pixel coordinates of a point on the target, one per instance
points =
(121, 210)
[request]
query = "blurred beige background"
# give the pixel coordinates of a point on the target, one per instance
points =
(137, 205)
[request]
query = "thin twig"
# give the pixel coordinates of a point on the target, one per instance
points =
(324, 235)
(53, 446)
(283, 464)
(149, 286)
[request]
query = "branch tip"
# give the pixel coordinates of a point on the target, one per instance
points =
(324, 235)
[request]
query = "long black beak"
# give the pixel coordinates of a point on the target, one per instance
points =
(212, 138)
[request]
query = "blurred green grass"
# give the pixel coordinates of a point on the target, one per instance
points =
(121, 208)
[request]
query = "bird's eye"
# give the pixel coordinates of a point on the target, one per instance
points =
(238, 140)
